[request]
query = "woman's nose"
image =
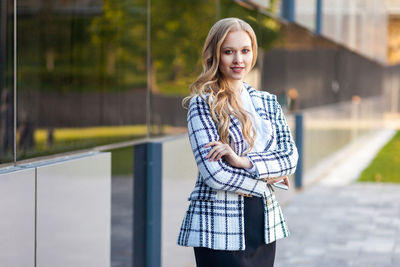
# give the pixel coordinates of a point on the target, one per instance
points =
(238, 58)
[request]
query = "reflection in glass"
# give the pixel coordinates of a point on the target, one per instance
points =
(6, 82)
(7, 124)
(81, 74)
(178, 32)
(121, 206)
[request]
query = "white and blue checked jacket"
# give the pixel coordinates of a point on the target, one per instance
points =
(215, 216)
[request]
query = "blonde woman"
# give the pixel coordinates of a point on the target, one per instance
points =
(242, 145)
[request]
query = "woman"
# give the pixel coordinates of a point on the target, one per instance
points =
(242, 144)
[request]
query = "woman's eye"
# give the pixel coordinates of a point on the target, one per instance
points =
(245, 51)
(228, 52)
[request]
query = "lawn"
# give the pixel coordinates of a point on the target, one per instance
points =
(385, 167)
(69, 139)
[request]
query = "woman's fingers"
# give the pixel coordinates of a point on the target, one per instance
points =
(211, 152)
(276, 179)
(286, 181)
(213, 143)
(218, 151)
(215, 153)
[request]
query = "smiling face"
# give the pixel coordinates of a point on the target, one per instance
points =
(236, 56)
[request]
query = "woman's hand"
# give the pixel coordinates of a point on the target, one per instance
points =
(220, 150)
(277, 179)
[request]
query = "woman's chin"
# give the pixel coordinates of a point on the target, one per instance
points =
(237, 76)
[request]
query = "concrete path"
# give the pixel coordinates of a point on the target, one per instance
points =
(354, 225)
(337, 222)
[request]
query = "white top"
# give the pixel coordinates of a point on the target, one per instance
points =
(262, 127)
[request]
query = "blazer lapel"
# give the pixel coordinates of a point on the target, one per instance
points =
(259, 102)
(263, 106)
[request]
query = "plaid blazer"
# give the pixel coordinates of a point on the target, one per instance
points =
(215, 216)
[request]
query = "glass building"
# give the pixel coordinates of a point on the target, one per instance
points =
(92, 73)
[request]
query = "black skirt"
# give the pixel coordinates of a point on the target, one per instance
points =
(256, 254)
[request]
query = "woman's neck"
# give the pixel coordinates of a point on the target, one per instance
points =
(237, 86)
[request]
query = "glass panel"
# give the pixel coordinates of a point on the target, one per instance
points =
(121, 206)
(178, 31)
(81, 74)
(6, 81)
(17, 205)
(73, 212)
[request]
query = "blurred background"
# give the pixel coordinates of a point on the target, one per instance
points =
(105, 75)
(91, 73)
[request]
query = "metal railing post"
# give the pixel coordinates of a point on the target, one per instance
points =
(318, 18)
(147, 205)
(298, 179)
(288, 10)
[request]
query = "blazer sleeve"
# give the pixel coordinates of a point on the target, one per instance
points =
(282, 160)
(217, 174)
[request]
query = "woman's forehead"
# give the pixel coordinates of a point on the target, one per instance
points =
(236, 39)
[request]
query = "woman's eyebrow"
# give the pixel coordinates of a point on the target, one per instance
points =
(229, 47)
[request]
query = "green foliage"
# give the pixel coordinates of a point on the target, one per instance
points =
(121, 31)
(385, 167)
(265, 27)
(179, 29)
(107, 51)
(72, 52)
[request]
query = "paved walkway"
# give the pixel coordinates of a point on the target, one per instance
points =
(354, 225)
(344, 223)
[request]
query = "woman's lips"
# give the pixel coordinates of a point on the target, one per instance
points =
(237, 69)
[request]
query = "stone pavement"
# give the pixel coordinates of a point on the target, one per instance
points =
(353, 225)
(344, 223)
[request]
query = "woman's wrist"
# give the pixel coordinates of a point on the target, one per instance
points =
(245, 163)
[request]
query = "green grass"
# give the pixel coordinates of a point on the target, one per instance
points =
(385, 167)
(70, 139)
(62, 146)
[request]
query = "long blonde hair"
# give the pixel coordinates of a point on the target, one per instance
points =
(222, 101)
